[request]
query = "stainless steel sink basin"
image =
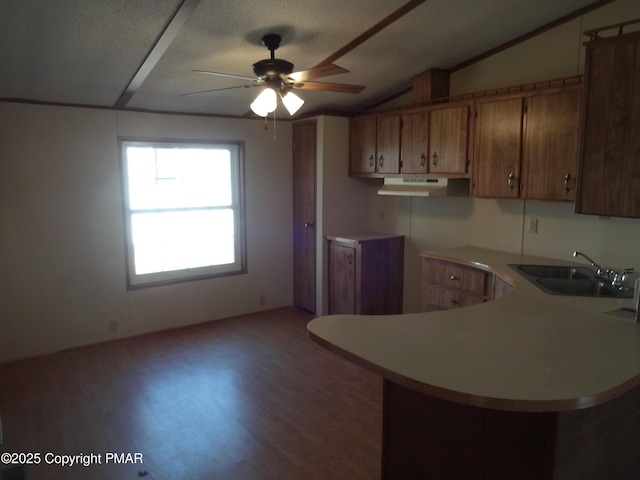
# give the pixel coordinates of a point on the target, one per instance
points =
(568, 280)
(554, 271)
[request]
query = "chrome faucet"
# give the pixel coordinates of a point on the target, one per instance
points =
(620, 278)
(599, 270)
(617, 279)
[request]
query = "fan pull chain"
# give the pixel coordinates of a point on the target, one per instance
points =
(274, 126)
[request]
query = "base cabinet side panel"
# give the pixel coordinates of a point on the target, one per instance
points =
(382, 276)
(429, 438)
(600, 442)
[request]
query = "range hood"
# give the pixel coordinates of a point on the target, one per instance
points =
(426, 187)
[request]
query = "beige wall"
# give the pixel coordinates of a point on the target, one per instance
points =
(342, 201)
(62, 241)
(499, 224)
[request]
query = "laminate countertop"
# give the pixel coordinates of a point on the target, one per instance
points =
(528, 351)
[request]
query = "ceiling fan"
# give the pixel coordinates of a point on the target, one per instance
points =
(279, 79)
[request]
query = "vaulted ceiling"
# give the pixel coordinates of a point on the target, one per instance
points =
(140, 54)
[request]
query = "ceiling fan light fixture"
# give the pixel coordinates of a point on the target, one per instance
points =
(292, 102)
(265, 103)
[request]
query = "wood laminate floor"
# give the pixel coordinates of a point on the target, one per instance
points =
(238, 399)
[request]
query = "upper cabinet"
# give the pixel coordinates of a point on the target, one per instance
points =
(521, 145)
(435, 141)
(610, 142)
(415, 142)
(526, 146)
(429, 141)
(498, 142)
(362, 145)
(551, 141)
(449, 139)
(374, 145)
(388, 144)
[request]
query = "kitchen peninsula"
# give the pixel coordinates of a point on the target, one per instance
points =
(530, 386)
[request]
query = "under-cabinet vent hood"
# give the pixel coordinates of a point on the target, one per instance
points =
(426, 187)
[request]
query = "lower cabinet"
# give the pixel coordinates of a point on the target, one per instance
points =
(448, 285)
(366, 274)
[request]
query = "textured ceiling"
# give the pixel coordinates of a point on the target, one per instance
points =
(87, 52)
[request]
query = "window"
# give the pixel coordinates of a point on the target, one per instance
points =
(183, 210)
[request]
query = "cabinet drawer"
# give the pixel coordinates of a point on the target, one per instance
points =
(446, 298)
(458, 277)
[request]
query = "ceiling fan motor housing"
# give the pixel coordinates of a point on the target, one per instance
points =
(272, 68)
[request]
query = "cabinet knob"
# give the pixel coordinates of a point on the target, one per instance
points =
(350, 258)
(434, 159)
(309, 225)
(381, 160)
(423, 161)
(567, 177)
(454, 278)
(510, 178)
(454, 303)
(371, 160)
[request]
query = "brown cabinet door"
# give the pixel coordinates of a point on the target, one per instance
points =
(415, 142)
(551, 139)
(362, 145)
(304, 215)
(366, 276)
(448, 140)
(609, 176)
(388, 144)
(498, 140)
(342, 279)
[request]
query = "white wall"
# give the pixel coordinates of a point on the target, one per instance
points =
(342, 201)
(499, 224)
(62, 251)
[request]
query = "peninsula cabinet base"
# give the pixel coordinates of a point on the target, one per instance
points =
(431, 439)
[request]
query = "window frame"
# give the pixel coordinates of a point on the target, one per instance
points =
(139, 281)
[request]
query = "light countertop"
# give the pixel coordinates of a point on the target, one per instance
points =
(355, 238)
(528, 351)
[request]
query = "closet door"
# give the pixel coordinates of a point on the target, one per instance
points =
(304, 216)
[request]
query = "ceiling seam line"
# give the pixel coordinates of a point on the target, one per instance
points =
(363, 37)
(161, 45)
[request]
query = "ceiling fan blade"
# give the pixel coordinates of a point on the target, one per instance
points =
(251, 79)
(329, 87)
(317, 72)
(220, 89)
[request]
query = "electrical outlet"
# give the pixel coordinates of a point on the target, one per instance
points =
(113, 326)
(532, 225)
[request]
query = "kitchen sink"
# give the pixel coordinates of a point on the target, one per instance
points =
(554, 271)
(567, 280)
